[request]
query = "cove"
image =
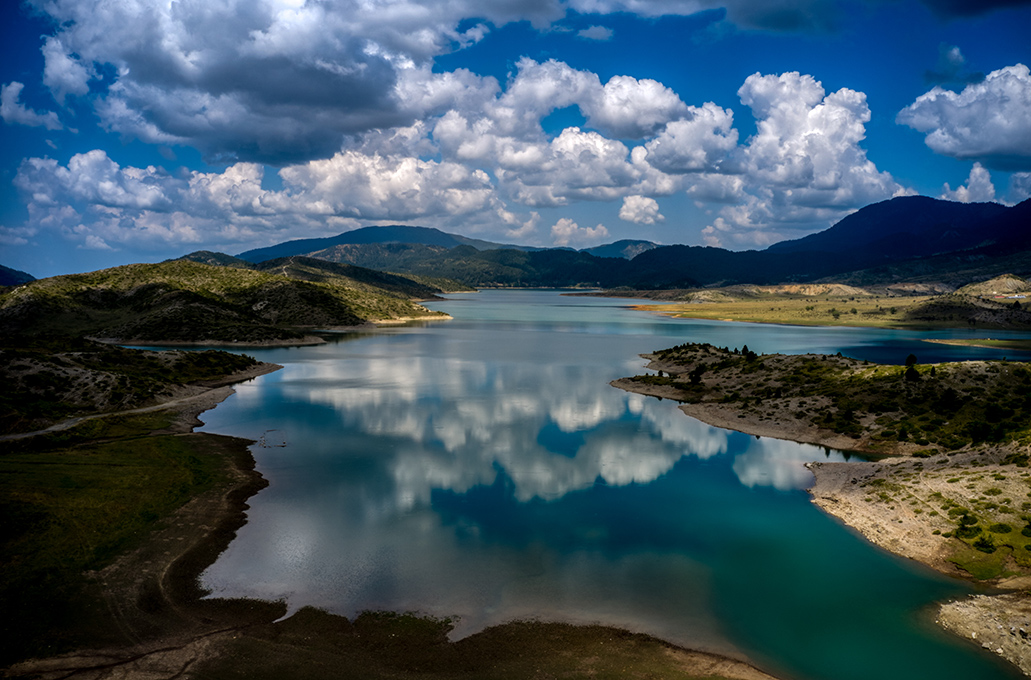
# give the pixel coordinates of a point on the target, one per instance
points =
(484, 469)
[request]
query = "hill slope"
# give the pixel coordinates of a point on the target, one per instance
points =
(184, 301)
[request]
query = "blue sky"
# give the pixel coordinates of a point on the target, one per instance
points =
(138, 130)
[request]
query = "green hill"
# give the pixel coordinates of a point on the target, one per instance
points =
(184, 301)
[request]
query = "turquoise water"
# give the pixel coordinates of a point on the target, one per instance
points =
(483, 468)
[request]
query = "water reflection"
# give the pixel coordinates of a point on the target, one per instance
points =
(488, 471)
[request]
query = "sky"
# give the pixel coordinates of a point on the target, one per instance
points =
(141, 130)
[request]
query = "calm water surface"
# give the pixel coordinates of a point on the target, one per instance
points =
(483, 468)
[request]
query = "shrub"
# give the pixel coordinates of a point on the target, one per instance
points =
(1000, 528)
(967, 531)
(985, 544)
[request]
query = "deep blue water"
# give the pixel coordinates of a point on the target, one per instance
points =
(483, 468)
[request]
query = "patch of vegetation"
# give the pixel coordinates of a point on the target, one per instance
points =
(943, 407)
(54, 379)
(70, 508)
(185, 301)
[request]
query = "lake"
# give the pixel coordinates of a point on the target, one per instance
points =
(483, 468)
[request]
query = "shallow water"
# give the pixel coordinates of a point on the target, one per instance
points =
(483, 468)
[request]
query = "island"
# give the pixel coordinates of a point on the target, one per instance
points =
(946, 479)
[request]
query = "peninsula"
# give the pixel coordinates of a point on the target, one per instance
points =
(947, 482)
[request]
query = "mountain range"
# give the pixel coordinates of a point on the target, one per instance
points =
(910, 238)
(905, 238)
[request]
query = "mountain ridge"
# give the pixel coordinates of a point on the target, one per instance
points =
(915, 235)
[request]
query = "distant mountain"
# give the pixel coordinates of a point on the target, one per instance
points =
(13, 277)
(367, 235)
(911, 238)
(904, 227)
(626, 249)
(557, 268)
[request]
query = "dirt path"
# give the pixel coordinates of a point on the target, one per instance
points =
(197, 399)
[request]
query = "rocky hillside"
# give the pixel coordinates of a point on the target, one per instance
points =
(184, 301)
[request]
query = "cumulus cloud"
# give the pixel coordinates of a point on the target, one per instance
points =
(149, 208)
(566, 232)
(630, 108)
(343, 97)
(640, 210)
(13, 112)
(703, 140)
(276, 82)
(803, 167)
(989, 121)
(978, 189)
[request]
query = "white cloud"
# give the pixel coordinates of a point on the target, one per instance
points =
(574, 166)
(14, 112)
(62, 72)
(94, 242)
(150, 208)
(566, 232)
(640, 210)
(600, 33)
(377, 187)
(979, 188)
(702, 141)
(989, 121)
(630, 108)
(804, 166)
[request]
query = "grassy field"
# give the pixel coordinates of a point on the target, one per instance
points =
(70, 504)
(801, 310)
(989, 343)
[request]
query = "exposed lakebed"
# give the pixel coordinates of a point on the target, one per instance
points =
(484, 469)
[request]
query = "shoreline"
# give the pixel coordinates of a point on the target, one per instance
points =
(154, 597)
(896, 502)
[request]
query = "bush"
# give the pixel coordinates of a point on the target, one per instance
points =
(967, 531)
(985, 544)
(1000, 528)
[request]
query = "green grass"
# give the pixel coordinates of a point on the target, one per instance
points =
(982, 566)
(1015, 344)
(69, 509)
(872, 311)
